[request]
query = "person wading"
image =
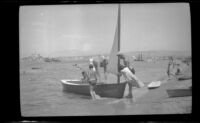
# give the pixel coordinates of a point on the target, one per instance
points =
(89, 76)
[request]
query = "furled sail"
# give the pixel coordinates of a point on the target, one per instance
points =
(113, 58)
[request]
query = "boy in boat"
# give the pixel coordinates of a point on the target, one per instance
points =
(95, 67)
(130, 78)
(85, 78)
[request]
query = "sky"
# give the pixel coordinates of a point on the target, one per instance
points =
(75, 30)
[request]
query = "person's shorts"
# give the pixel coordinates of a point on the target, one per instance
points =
(93, 82)
(133, 83)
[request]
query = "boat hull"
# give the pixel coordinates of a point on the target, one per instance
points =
(179, 92)
(104, 90)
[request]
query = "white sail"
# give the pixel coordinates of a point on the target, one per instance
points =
(113, 58)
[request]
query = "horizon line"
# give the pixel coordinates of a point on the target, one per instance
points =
(96, 54)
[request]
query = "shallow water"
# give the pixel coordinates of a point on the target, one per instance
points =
(41, 91)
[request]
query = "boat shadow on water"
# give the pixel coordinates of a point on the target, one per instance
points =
(75, 96)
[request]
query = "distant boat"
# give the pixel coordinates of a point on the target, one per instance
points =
(111, 90)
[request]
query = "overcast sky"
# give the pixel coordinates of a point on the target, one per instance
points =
(64, 30)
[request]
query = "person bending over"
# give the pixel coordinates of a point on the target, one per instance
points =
(126, 62)
(92, 79)
(130, 78)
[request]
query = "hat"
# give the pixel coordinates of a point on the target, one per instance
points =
(121, 55)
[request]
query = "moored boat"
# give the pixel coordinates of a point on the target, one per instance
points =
(179, 92)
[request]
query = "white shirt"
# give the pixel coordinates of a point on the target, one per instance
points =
(128, 75)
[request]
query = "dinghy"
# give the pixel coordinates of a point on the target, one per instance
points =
(110, 90)
(154, 84)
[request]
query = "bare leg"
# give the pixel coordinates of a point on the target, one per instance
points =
(98, 75)
(92, 92)
(130, 95)
(105, 75)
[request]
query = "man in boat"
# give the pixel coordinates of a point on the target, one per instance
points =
(104, 64)
(94, 63)
(130, 78)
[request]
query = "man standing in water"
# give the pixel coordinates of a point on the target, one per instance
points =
(104, 64)
(92, 81)
(95, 68)
(91, 78)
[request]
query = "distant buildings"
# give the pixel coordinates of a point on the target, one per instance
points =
(149, 57)
(34, 57)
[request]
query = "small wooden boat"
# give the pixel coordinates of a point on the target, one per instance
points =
(179, 92)
(113, 90)
(154, 84)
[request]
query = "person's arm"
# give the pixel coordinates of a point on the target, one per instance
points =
(95, 75)
(120, 73)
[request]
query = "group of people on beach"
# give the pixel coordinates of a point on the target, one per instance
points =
(93, 76)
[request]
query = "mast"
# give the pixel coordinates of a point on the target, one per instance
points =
(118, 77)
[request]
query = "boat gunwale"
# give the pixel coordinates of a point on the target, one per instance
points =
(70, 82)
